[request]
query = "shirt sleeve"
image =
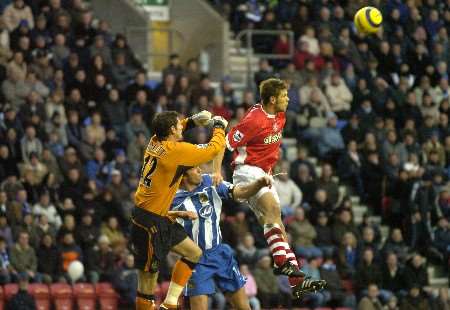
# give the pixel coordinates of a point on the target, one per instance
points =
(243, 132)
(188, 154)
(224, 189)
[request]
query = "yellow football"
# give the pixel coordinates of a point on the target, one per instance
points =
(368, 20)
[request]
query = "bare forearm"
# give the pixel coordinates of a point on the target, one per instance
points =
(217, 162)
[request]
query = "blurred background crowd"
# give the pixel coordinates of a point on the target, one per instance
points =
(369, 117)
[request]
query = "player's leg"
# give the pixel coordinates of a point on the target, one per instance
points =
(270, 217)
(182, 270)
(147, 282)
(199, 302)
(147, 270)
(239, 299)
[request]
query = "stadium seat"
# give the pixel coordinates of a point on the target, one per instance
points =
(84, 294)
(10, 290)
(2, 298)
(62, 295)
(107, 296)
(41, 295)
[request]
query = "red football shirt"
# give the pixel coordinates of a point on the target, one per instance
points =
(256, 139)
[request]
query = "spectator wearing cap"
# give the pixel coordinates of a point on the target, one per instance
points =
(48, 259)
(100, 261)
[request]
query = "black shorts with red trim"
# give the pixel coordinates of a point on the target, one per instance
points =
(152, 237)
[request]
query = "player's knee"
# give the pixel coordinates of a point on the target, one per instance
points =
(195, 254)
(147, 282)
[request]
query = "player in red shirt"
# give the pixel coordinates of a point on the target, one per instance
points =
(256, 142)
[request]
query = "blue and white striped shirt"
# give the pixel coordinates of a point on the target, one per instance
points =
(206, 201)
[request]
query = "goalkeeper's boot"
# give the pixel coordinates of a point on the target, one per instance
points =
(288, 269)
(308, 286)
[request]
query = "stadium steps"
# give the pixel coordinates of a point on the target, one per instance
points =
(238, 65)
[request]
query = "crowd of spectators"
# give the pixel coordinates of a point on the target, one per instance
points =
(76, 111)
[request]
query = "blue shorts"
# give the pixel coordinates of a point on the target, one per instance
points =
(216, 267)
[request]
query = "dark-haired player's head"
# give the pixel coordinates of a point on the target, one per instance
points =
(274, 95)
(167, 126)
(192, 177)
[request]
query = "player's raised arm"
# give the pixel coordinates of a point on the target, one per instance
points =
(202, 118)
(187, 154)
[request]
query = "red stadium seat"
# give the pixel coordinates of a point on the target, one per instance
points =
(62, 295)
(10, 290)
(107, 296)
(2, 298)
(41, 295)
(85, 296)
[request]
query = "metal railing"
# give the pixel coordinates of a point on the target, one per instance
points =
(248, 35)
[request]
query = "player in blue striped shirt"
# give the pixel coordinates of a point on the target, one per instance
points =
(217, 265)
